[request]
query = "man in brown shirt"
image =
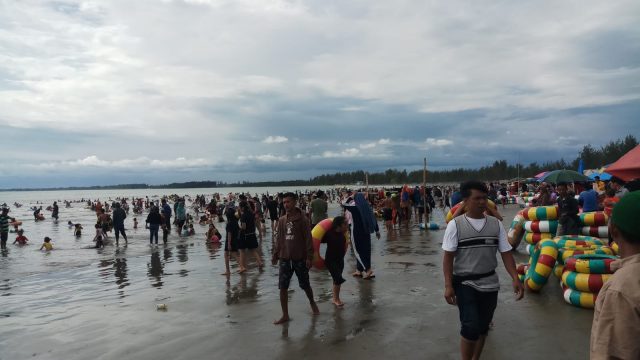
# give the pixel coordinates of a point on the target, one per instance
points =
(616, 321)
(293, 249)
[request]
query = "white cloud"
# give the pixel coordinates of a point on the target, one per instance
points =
(368, 146)
(346, 153)
(431, 142)
(352, 108)
(275, 140)
(141, 163)
(265, 158)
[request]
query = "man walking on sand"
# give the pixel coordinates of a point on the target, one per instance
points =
(470, 245)
(293, 251)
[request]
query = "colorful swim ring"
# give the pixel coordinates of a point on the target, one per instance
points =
(584, 282)
(597, 218)
(542, 226)
(317, 233)
(557, 270)
(590, 264)
(522, 271)
(542, 262)
(597, 231)
(581, 299)
(567, 253)
(577, 240)
(534, 238)
(541, 213)
(453, 210)
(614, 246)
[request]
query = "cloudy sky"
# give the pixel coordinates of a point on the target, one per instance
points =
(156, 91)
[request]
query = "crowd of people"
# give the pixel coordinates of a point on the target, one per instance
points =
(470, 245)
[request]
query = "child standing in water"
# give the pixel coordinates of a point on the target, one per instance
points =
(334, 256)
(21, 239)
(47, 245)
(135, 223)
(99, 238)
(78, 231)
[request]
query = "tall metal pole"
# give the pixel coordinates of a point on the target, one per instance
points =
(424, 196)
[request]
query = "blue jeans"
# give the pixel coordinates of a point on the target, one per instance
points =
(153, 232)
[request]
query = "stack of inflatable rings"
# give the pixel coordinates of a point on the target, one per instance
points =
(594, 224)
(541, 224)
(583, 278)
(541, 266)
(572, 242)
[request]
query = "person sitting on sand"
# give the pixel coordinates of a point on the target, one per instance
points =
(334, 256)
(47, 245)
(21, 239)
(78, 230)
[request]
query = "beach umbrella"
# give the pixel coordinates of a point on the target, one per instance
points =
(603, 176)
(627, 167)
(541, 175)
(558, 176)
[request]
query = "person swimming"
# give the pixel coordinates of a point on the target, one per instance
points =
(21, 239)
(47, 245)
(78, 230)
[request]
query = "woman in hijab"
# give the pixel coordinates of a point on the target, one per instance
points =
(364, 224)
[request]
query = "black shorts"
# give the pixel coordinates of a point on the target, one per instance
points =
(476, 310)
(247, 241)
(335, 268)
(231, 243)
(4, 236)
(286, 270)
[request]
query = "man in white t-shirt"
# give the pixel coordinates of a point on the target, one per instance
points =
(470, 244)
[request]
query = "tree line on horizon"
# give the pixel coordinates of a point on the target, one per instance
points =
(592, 158)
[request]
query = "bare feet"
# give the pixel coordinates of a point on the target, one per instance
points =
(242, 271)
(226, 273)
(357, 273)
(338, 303)
(369, 275)
(282, 320)
(314, 309)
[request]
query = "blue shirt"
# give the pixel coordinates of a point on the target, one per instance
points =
(456, 197)
(588, 199)
(166, 210)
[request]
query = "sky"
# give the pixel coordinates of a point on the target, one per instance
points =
(159, 91)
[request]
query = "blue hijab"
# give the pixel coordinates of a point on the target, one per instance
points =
(368, 221)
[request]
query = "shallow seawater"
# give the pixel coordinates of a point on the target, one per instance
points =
(82, 303)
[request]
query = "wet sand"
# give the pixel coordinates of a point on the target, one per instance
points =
(104, 307)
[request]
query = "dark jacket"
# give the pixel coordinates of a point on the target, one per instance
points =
(293, 238)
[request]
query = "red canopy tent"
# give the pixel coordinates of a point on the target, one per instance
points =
(627, 167)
